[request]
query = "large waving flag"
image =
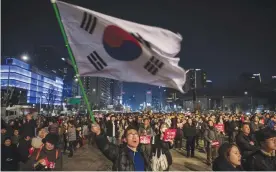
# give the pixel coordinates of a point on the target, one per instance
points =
(105, 46)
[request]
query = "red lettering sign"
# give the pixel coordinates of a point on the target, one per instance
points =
(215, 143)
(145, 139)
(169, 135)
(220, 127)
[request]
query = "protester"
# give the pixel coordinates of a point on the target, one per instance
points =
(15, 138)
(9, 156)
(72, 137)
(211, 135)
(162, 147)
(146, 130)
(48, 156)
(229, 158)
(263, 159)
(127, 157)
(23, 150)
(189, 131)
(112, 128)
(246, 143)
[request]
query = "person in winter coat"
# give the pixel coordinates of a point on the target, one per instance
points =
(4, 134)
(162, 146)
(112, 129)
(23, 149)
(9, 156)
(245, 142)
(146, 130)
(72, 137)
(15, 138)
(233, 130)
(53, 127)
(48, 156)
(229, 158)
(122, 126)
(211, 135)
(126, 157)
(198, 124)
(263, 159)
(189, 131)
(28, 127)
(179, 134)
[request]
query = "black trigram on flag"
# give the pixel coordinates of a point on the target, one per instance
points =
(88, 22)
(139, 38)
(153, 65)
(96, 61)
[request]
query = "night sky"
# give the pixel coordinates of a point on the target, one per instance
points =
(223, 37)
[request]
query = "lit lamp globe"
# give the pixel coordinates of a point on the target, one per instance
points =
(25, 58)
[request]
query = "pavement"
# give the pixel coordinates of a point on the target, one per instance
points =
(89, 158)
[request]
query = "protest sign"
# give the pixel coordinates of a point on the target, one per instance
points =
(220, 127)
(145, 139)
(169, 134)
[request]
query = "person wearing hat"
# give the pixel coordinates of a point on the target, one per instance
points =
(48, 156)
(263, 159)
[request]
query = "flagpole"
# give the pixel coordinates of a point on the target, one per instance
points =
(72, 59)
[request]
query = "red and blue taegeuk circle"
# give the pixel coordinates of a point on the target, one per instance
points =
(120, 45)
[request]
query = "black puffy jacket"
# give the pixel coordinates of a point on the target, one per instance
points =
(119, 155)
(260, 161)
(243, 143)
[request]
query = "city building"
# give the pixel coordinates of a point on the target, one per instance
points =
(71, 89)
(98, 91)
(250, 81)
(41, 87)
(173, 99)
(195, 78)
(75, 88)
(116, 88)
(148, 98)
(227, 100)
(156, 103)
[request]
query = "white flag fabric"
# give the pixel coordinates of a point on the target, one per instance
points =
(105, 46)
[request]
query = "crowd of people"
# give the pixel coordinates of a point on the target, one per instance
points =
(138, 142)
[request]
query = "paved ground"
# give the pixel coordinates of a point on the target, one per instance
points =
(89, 158)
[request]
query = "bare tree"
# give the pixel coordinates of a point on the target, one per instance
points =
(50, 97)
(7, 96)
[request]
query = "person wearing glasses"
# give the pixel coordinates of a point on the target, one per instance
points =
(263, 159)
(125, 157)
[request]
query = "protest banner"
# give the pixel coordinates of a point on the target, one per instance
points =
(220, 127)
(169, 134)
(145, 139)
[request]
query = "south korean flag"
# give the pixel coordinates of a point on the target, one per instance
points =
(105, 46)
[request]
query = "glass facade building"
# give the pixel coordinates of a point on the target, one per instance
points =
(39, 85)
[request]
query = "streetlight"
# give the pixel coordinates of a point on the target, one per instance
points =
(76, 79)
(25, 57)
(63, 59)
(259, 75)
